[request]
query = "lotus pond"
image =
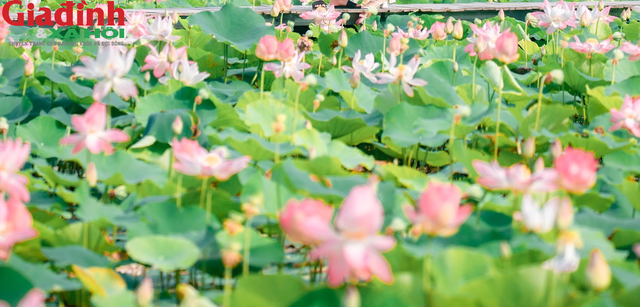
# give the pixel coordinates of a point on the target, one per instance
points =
(415, 161)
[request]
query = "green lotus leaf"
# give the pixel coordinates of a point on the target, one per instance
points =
(166, 253)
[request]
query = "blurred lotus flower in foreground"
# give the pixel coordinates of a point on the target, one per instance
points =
(15, 225)
(484, 43)
(536, 218)
(293, 68)
(4, 28)
(92, 132)
(364, 67)
(136, 24)
(588, 18)
(13, 156)
(188, 73)
(160, 30)
(403, 74)
(556, 17)
(193, 160)
(632, 50)
(438, 211)
(267, 48)
(517, 178)
(354, 252)
(110, 65)
(33, 298)
(286, 50)
(144, 293)
(576, 170)
(628, 117)
(307, 221)
(598, 271)
(395, 44)
(591, 45)
(161, 62)
(283, 5)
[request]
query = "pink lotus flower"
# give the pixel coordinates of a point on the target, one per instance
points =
(332, 26)
(632, 50)
(536, 218)
(591, 45)
(403, 74)
(354, 251)
(4, 28)
(395, 44)
(484, 43)
(567, 260)
(33, 298)
(517, 178)
(92, 133)
(15, 225)
(558, 16)
(160, 30)
(438, 211)
(293, 68)
(628, 117)
(13, 156)
(364, 67)
(286, 50)
(438, 31)
(415, 33)
(507, 47)
(283, 5)
(28, 66)
(576, 170)
(136, 24)
(307, 221)
(161, 62)
(321, 15)
(187, 73)
(267, 48)
(110, 65)
(193, 160)
(281, 27)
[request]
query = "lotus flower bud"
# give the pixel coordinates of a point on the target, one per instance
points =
(618, 55)
(505, 250)
(120, 191)
(55, 48)
(92, 175)
(4, 126)
(390, 27)
(455, 67)
(36, 55)
(197, 100)
(351, 297)
(529, 148)
(501, 15)
(479, 45)
(565, 214)
(585, 20)
(231, 258)
(309, 33)
(274, 11)
(543, 51)
(475, 191)
(147, 76)
(77, 49)
(556, 148)
(204, 93)
(448, 27)
(372, 10)
(601, 5)
(625, 15)
(173, 54)
(174, 17)
(28, 66)
(177, 125)
(333, 61)
(311, 80)
(346, 16)
(343, 39)
(279, 124)
(532, 19)
(144, 293)
(354, 81)
(478, 21)
(457, 30)
(557, 76)
(598, 271)
(618, 35)
(374, 26)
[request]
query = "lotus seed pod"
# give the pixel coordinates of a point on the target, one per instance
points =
(309, 33)
(617, 36)
(177, 125)
(598, 271)
(617, 54)
(204, 93)
(55, 48)
(290, 24)
(558, 76)
(311, 80)
(346, 16)
(389, 27)
(532, 20)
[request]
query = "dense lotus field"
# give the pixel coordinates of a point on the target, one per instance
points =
(415, 161)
